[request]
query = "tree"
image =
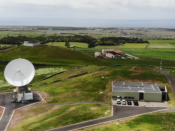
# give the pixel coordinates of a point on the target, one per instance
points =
(67, 44)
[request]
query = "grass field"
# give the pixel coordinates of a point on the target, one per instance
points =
(127, 45)
(134, 45)
(21, 32)
(40, 118)
(149, 122)
(62, 44)
(162, 44)
(168, 54)
(2, 45)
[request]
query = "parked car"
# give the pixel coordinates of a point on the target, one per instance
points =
(123, 102)
(118, 101)
(129, 102)
(136, 103)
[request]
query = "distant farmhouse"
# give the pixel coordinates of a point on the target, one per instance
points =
(99, 55)
(114, 53)
(27, 43)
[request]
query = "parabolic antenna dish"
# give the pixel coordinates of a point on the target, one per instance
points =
(19, 72)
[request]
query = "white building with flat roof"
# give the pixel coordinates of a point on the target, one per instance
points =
(27, 43)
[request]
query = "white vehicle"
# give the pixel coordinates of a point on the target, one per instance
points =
(118, 101)
(123, 102)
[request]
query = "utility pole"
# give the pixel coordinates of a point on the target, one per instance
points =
(161, 65)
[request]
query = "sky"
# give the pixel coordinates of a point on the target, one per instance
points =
(89, 13)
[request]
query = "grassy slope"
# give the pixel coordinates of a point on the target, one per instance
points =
(88, 87)
(49, 117)
(62, 44)
(79, 89)
(48, 54)
(149, 122)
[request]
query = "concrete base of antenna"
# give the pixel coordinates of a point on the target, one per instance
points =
(22, 94)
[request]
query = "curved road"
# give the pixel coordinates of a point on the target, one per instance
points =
(119, 112)
(7, 101)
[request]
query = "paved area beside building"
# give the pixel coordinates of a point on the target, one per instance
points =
(144, 104)
(7, 101)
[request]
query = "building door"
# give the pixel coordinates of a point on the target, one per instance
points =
(141, 96)
(164, 96)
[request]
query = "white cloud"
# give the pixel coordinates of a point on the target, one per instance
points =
(88, 9)
(93, 3)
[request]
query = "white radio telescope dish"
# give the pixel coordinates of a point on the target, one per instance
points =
(19, 72)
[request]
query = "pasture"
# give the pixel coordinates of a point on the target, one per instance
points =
(62, 44)
(2, 45)
(134, 45)
(127, 45)
(166, 54)
(162, 44)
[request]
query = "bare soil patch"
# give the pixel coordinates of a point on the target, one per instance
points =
(1, 111)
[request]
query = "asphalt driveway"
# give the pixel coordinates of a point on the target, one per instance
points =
(7, 101)
(119, 112)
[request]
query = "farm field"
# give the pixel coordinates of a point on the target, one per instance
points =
(127, 45)
(148, 122)
(2, 45)
(134, 45)
(162, 44)
(62, 44)
(166, 54)
(21, 32)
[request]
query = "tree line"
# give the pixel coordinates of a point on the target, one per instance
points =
(92, 42)
(118, 41)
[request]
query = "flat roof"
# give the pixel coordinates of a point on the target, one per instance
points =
(135, 87)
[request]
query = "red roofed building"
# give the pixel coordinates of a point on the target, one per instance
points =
(112, 51)
(110, 55)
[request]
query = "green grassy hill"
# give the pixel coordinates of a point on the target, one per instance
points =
(50, 55)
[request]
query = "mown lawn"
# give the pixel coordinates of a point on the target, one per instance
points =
(162, 44)
(40, 118)
(149, 122)
(62, 44)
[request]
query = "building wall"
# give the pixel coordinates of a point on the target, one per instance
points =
(131, 94)
(154, 97)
